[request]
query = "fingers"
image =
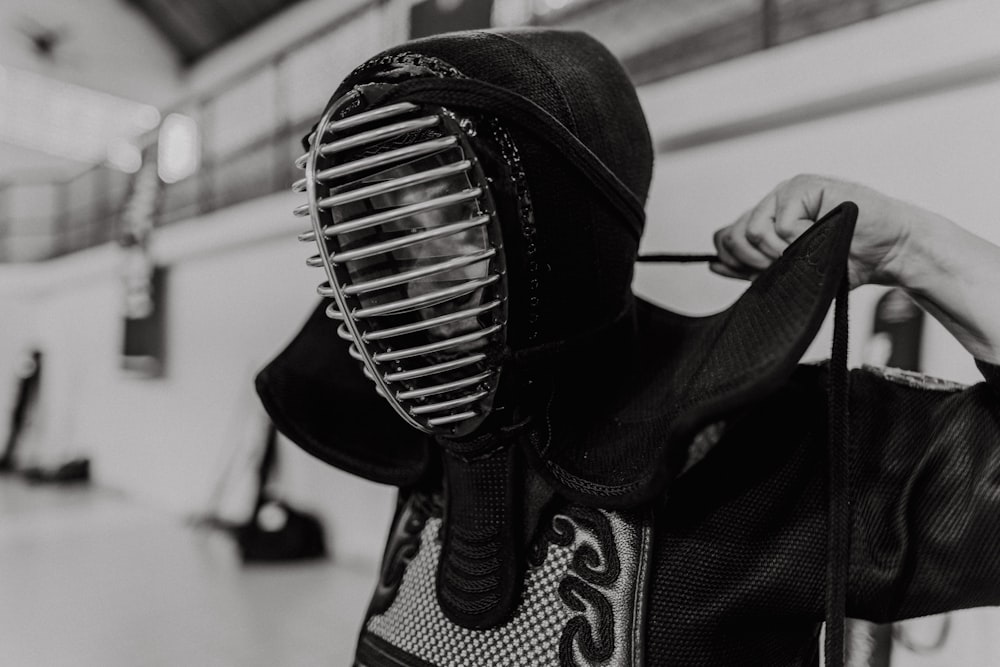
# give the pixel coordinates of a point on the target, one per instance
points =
(723, 240)
(723, 270)
(761, 232)
(792, 218)
(737, 251)
(801, 201)
(760, 236)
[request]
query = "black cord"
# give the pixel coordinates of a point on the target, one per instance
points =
(838, 528)
(676, 258)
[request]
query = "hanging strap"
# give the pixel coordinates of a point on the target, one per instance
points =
(676, 258)
(838, 527)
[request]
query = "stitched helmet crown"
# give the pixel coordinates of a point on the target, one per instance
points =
(452, 235)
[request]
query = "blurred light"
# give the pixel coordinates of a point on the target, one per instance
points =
(179, 148)
(66, 120)
(124, 156)
(511, 12)
(521, 12)
(554, 5)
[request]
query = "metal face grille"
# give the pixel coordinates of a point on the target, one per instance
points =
(405, 225)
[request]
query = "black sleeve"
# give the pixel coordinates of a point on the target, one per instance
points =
(925, 478)
(991, 372)
(740, 556)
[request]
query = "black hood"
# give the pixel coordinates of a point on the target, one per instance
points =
(570, 251)
(616, 386)
(572, 271)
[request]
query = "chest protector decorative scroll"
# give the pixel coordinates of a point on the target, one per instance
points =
(582, 600)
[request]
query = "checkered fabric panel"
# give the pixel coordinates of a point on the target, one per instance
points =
(416, 624)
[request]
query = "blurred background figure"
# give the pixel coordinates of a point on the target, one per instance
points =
(28, 375)
(146, 158)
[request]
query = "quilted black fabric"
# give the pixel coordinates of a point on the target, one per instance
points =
(740, 554)
(479, 573)
(587, 253)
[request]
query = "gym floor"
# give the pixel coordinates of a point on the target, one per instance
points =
(90, 579)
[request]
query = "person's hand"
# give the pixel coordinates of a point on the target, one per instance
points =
(758, 237)
(949, 271)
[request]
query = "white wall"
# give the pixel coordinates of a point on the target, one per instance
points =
(106, 45)
(355, 40)
(238, 289)
(937, 149)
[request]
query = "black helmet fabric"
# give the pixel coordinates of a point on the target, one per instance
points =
(602, 392)
(612, 378)
(574, 272)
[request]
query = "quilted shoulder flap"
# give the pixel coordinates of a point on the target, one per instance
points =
(317, 396)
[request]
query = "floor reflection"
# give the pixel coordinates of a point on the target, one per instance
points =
(89, 579)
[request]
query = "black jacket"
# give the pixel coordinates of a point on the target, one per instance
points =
(728, 566)
(740, 545)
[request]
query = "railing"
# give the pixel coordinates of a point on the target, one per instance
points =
(87, 208)
(250, 128)
(250, 134)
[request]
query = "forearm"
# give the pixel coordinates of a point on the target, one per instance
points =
(955, 275)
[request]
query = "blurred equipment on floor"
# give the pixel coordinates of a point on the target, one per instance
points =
(275, 531)
(74, 471)
(28, 380)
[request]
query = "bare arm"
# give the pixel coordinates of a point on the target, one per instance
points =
(953, 273)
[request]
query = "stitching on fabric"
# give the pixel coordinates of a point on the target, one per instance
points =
(645, 529)
(579, 591)
(552, 80)
(913, 379)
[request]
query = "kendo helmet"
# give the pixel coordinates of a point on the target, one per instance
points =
(464, 218)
